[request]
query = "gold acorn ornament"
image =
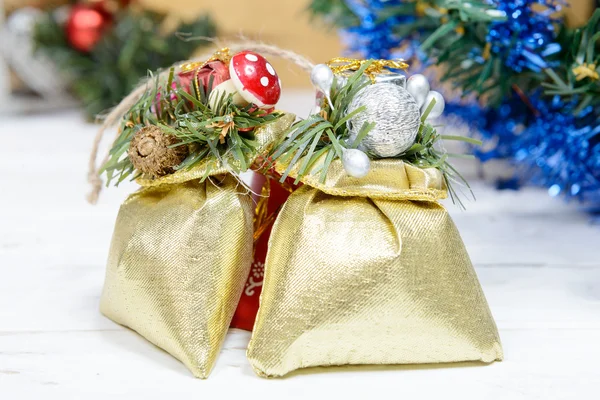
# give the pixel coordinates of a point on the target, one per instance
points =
(151, 151)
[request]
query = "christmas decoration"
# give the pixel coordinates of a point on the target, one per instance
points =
(418, 86)
(255, 79)
(226, 89)
(371, 111)
(356, 163)
(190, 242)
(187, 236)
(439, 104)
(215, 71)
(85, 27)
(368, 238)
(397, 116)
(517, 55)
(103, 48)
(321, 77)
(178, 261)
(215, 129)
(369, 271)
(151, 153)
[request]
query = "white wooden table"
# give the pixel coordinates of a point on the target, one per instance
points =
(538, 260)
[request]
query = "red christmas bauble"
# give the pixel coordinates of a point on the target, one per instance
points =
(85, 27)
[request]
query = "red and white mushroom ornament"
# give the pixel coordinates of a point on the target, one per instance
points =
(225, 88)
(255, 79)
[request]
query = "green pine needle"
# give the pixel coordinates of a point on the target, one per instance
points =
(454, 34)
(196, 125)
(324, 136)
(426, 153)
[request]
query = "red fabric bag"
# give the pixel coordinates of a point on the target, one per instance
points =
(265, 214)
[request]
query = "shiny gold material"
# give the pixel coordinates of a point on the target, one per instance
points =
(387, 179)
(341, 64)
(262, 218)
(354, 275)
(180, 256)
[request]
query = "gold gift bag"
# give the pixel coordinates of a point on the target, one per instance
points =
(179, 259)
(369, 271)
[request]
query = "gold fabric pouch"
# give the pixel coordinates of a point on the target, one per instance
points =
(369, 271)
(180, 256)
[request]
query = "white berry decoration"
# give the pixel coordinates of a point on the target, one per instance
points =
(418, 86)
(356, 163)
(321, 77)
(438, 107)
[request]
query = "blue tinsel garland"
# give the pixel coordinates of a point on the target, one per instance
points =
(549, 145)
(527, 37)
(562, 151)
(373, 37)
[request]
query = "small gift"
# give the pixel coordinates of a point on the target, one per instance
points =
(182, 246)
(364, 265)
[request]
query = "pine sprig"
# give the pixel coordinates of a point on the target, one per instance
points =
(324, 134)
(460, 43)
(427, 152)
(456, 35)
(134, 44)
(576, 79)
(222, 132)
(536, 80)
(324, 137)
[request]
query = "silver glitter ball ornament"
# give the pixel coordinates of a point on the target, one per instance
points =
(356, 163)
(396, 116)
